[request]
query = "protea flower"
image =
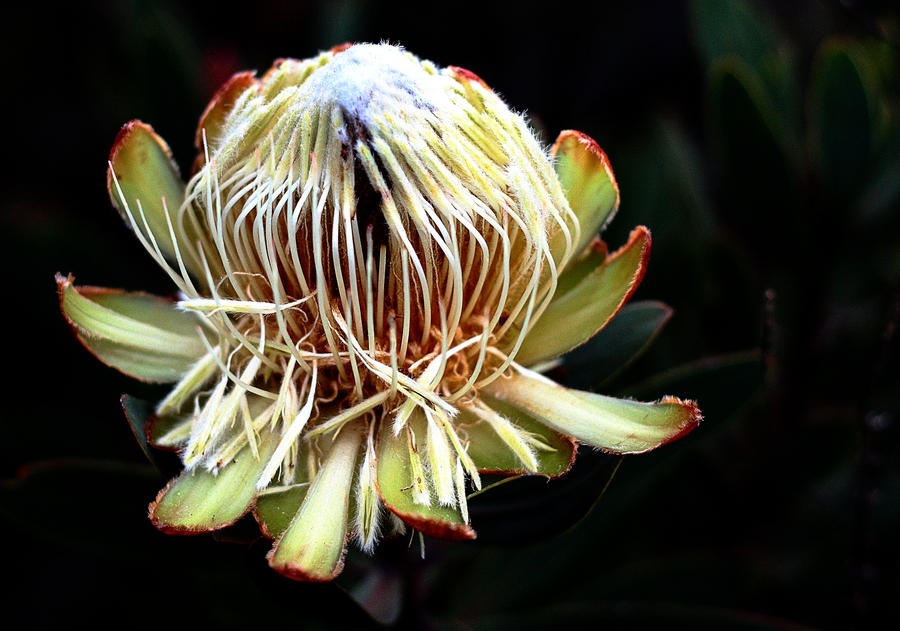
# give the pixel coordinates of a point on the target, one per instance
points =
(370, 253)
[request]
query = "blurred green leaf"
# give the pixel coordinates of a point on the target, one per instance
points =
(380, 593)
(842, 110)
(616, 346)
(742, 116)
(137, 411)
(687, 175)
(734, 28)
(531, 508)
(753, 149)
(720, 384)
(730, 27)
(880, 196)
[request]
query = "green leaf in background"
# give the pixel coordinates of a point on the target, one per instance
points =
(842, 112)
(615, 346)
(733, 28)
(138, 411)
(687, 176)
(723, 385)
(726, 27)
(530, 509)
(669, 184)
(883, 189)
(94, 513)
(743, 119)
(753, 149)
(720, 384)
(380, 593)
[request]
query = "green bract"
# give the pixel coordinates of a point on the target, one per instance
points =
(370, 252)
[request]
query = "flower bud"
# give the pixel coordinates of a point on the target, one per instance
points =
(383, 194)
(371, 251)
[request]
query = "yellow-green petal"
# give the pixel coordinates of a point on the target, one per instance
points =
(275, 510)
(143, 168)
(615, 425)
(312, 547)
(575, 316)
(212, 121)
(553, 451)
(396, 481)
(581, 266)
(142, 336)
(276, 506)
(200, 501)
(587, 181)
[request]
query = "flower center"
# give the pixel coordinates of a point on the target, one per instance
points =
(392, 213)
(375, 240)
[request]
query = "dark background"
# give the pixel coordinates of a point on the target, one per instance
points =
(759, 142)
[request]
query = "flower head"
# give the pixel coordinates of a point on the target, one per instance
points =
(370, 252)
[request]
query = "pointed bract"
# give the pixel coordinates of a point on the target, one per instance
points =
(213, 119)
(588, 182)
(143, 336)
(312, 546)
(200, 501)
(141, 174)
(396, 482)
(274, 511)
(614, 425)
(554, 452)
(590, 304)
